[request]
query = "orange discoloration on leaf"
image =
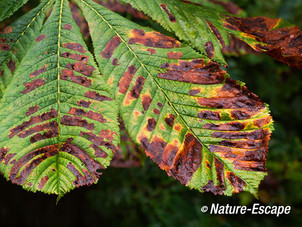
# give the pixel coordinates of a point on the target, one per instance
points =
(174, 55)
(126, 79)
(30, 86)
(146, 100)
(110, 47)
(6, 30)
(136, 114)
(152, 39)
(170, 15)
(151, 50)
(108, 134)
(178, 127)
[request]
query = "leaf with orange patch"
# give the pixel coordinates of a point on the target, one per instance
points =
(204, 129)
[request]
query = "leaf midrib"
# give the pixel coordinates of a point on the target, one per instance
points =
(149, 74)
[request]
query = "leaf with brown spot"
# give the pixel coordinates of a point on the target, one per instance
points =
(56, 114)
(181, 107)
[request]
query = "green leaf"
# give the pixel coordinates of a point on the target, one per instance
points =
(200, 26)
(58, 123)
(16, 39)
(7, 8)
(201, 127)
(207, 29)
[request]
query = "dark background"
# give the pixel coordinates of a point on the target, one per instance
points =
(146, 196)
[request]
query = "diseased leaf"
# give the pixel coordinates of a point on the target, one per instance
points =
(7, 8)
(201, 127)
(117, 6)
(15, 40)
(58, 123)
(201, 26)
(209, 32)
(274, 37)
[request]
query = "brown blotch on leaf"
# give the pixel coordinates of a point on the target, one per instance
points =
(170, 15)
(156, 111)
(168, 156)
(174, 55)
(28, 164)
(5, 47)
(90, 114)
(110, 47)
(210, 187)
(253, 135)
(187, 160)
(43, 182)
(170, 120)
(76, 121)
(152, 39)
(99, 141)
(84, 103)
(146, 101)
(220, 172)
(209, 49)
(39, 71)
(40, 38)
(232, 126)
(160, 104)
(107, 134)
(96, 96)
(32, 110)
(74, 46)
(237, 183)
(33, 120)
(151, 50)
(67, 74)
(53, 125)
(126, 79)
(77, 57)
(3, 152)
(11, 65)
(6, 30)
(151, 124)
(155, 149)
(86, 70)
(209, 115)
(216, 32)
(281, 43)
(195, 72)
(136, 90)
(67, 27)
(30, 86)
(194, 92)
(115, 62)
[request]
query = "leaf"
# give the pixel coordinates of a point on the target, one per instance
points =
(208, 30)
(191, 23)
(201, 127)
(16, 39)
(7, 8)
(275, 37)
(58, 122)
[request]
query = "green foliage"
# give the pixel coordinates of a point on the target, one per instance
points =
(7, 8)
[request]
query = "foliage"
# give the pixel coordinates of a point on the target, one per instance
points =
(59, 119)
